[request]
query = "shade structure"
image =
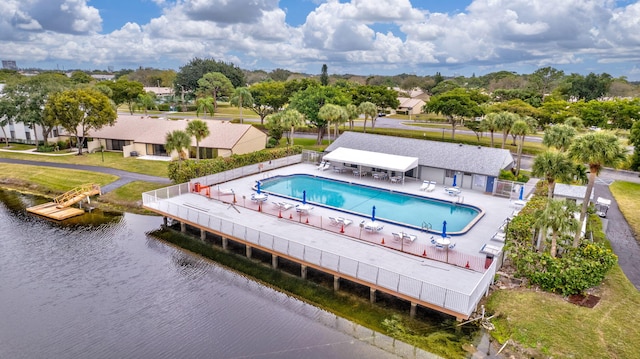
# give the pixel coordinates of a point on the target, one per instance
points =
(373, 214)
(455, 178)
(258, 190)
(304, 197)
(444, 229)
(378, 160)
(521, 192)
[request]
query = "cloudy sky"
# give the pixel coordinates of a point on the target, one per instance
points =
(455, 37)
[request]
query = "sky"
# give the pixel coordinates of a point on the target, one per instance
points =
(362, 37)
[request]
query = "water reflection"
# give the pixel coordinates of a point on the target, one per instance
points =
(101, 288)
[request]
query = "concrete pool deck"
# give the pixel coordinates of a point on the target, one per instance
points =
(452, 289)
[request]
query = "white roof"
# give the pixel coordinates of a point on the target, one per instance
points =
(372, 159)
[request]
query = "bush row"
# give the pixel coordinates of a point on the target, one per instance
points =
(183, 171)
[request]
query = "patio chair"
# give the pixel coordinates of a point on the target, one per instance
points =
(224, 191)
(396, 236)
(334, 221)
(344, 221)
(326, 166)
(320, 166)
(452, 246)
(285, 206)
(425, 185)
(433, 241)
(431, 187)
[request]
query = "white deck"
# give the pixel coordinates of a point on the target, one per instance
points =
(433, 276)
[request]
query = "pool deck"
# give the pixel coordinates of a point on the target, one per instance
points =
(358, 245)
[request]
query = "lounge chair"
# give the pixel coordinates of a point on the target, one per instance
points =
(397, 236)
(500, 237)
(410, 238)
(285, 206)
(344, 221)
(334, 221)
(432, 186)
(321, 165)
(225, 191)
(326, 166)
(425, 185)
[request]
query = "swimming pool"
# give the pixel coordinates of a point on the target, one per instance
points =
(393, 207)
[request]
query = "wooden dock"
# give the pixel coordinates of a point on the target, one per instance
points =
(60, 208)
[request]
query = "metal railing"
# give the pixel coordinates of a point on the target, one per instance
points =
(464, 303)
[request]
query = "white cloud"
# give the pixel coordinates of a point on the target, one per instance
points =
(346, 35)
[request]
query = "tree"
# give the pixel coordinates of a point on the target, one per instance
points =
(490, 125)
(146, 101)
(214, 84)
(588, 87)
(80, 77)
(178, 141)
(189, 74)
(597, 149)
(559, 137)
(8, 114)
(333, 114)
(268, 97)
(199, 130)
(125, 91)
(520, 128)
(556, 216)
(369, 110)
(80, 111)
(242, 98)
(309, 101)
(504, 121)
(289, 118)
(352, 113)
(545, 79)
(575, 122)
(382, 96)
(634, 139)
(456, 105)
(204, 105)
(324, 76)
(552, 166)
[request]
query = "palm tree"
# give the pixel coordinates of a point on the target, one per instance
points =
(489, 124)
(520, 128)
(178, 141)
(291, 118)
(353, 113)
(241, 97)
(552, 166)
(597, 149)
(559, 136)
(146, 101)
(205, 104)
(332, 114)
(504, 121)
(199, 130)
(556, 216)
(370, 110)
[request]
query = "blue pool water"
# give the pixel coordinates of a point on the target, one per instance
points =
(394, 207)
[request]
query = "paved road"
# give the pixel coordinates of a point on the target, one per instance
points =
(125, 177)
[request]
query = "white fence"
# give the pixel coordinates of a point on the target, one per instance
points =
(464, 303)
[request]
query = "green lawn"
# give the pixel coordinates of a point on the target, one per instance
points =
(553, 327)
(627, 195)
(111, 159)
(47, 180)
(16, 146)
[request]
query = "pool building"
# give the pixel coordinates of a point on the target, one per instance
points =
(332, 234)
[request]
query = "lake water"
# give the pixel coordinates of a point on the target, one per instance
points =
(107, 290)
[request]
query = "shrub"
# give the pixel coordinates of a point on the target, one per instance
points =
(183, 171)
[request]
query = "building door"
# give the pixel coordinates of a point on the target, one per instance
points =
(490, 181)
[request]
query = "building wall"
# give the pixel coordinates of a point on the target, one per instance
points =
(253, 140)
(17, 132)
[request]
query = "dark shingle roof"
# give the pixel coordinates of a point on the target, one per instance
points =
(451, 156)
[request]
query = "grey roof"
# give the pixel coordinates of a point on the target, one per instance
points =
(570, 191)
(452, 156)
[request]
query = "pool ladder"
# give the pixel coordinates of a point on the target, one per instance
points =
(426, 226)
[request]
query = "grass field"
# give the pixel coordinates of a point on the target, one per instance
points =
(48, 180)
(550, 326)
(628, 197)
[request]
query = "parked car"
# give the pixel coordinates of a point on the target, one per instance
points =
(381, 114)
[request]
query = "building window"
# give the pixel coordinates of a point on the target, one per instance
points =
(27, 135)
(117, 145)
(55, 132)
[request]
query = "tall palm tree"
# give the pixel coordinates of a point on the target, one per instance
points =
(552, 166)
(205, 104)
(178, 141)
(241, 97)
(291, 118)
(556, 216)
(597, 149)
(559, 136)
(370, 110)
(199, 130)
(504, 121)
(520, 128)
(353, 113)
(332, 114)
(489, 124)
